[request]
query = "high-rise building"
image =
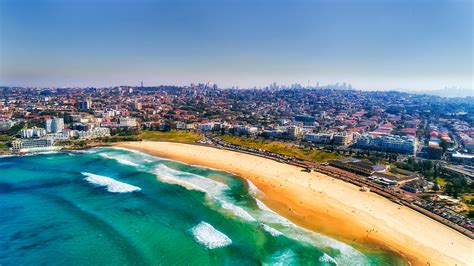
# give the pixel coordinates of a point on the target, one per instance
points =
(54, 125)
(84, 105)
(32, 133)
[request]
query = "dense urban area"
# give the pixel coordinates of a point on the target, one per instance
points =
(417, 150)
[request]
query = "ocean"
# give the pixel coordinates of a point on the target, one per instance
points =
(121, 207)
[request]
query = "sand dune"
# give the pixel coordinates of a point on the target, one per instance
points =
(330, 206)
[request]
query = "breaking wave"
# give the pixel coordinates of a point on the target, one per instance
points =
(119, 160)
(325, 258)
(214, 189)
(144, 156)
(253, 190)
(238, 211)
(347, 256)
(208, 236)
(271, 230)
(285, 257)
(112, 185)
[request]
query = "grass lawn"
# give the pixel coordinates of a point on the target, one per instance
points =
(283, 148)
(4, 139)
(3, 146)
(441, 181)
(177, 136)
(467, 197)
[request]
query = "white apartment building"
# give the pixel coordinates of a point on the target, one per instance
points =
(128, 122)
(32, 133)
(54, 125)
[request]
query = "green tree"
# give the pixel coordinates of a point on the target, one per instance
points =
(471, 214)
(444, 145)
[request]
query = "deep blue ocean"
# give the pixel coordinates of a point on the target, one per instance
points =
(110, 206)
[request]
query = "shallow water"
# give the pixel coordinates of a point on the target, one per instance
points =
(115, 206)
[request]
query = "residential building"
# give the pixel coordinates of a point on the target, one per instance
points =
(128, 122)
(321, 138)
(342, 138)
(94, 133)
(389, 143)
(294, 132)
(54, 125)
(32, 133)
(31, 145)
(84, 105)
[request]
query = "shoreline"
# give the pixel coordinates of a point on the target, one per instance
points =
(312, 200)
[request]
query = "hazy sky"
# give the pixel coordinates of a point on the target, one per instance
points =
(409, 44)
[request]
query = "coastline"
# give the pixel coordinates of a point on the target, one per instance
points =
(314, 201)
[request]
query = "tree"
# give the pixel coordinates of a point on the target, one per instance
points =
(449, 189)
(444, 145)
(455, 194)
(471, 214)
(14, 130)
(374, 159)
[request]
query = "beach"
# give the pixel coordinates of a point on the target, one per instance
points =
(330, 206)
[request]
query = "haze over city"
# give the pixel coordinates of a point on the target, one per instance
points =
(410, 45)
(236, 132)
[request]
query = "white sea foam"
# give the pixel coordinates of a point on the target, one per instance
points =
(141, 154)
(286, 257)
(119, 159)
(271, 230)
(111, 184)
(88, 151)
(9, 155)
(208, 236)
(175, 181)
(19, 155)
(348, 255)
(253, 190)
(47, 152)
(263, 207)
(238, 211)
(214, 189)
(326, 258)
(269, 216)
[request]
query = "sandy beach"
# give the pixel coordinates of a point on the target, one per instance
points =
(330, 206)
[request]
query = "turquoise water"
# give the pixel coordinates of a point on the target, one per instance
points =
(115, 206)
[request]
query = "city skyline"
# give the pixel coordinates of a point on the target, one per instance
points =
(414, 45)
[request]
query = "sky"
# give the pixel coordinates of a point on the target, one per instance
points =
(371, 44)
